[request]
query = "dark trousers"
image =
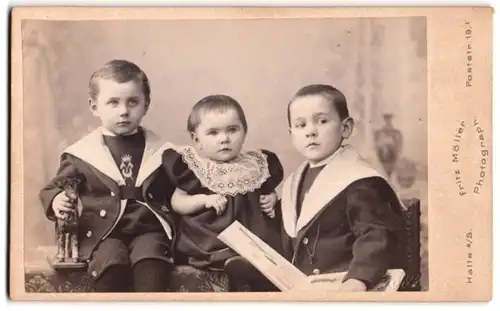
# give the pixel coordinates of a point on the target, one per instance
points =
(136, 264)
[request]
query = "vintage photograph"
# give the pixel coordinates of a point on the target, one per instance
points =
(179, 155)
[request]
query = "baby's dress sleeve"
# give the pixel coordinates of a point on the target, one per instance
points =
(275, 170)
(179, 173)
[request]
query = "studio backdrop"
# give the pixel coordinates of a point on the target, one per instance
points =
(379, 64)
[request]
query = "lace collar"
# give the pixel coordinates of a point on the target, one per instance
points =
(245, 174)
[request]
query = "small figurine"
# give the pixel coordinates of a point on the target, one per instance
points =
(67, 228)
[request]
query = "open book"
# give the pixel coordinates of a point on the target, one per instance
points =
(282, 273)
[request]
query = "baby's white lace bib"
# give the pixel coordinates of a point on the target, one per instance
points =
(245, 174)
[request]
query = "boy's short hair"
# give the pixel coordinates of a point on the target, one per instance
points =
(120, 71)
(333, 95)
(217, 102)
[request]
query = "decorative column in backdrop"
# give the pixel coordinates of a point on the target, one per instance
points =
(39, 58)
(362, 102)
(49, 96)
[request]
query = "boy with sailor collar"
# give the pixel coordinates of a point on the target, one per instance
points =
(338, 213)
(125, 225)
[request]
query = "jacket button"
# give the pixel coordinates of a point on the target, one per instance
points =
(150, 195)
(112, 194)
(305, 241)
(102, 213)
(89, 234)
(316, 271)
(94, 273)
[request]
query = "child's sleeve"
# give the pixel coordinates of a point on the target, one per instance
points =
(178, 172)
(375, 225)
(275, 170)
(66, 169)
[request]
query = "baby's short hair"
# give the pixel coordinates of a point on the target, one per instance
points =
(333, 95)
(216, 102)
(120, 71)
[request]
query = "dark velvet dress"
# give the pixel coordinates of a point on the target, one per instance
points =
(241, 181)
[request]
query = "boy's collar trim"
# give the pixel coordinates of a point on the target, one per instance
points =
(345, 168)
(245, 175)
(92, 149)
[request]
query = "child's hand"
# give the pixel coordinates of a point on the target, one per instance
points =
(352, 285)
(216, 201)
(267, 204)
(62, 204)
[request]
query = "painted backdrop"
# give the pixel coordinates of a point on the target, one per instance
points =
(380, 65)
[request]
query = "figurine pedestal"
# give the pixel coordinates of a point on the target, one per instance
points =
(66, 265)
(48, 263)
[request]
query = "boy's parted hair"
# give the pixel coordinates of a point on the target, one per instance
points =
(120, 71)
(218, 102)
(333, 95)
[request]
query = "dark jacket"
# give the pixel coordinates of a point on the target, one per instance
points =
(101, 193)
(349, 222)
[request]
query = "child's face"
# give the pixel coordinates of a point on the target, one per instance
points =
(316, 129)
(119, 106)
(220, 135)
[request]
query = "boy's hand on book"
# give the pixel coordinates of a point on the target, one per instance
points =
(352, 285)
(62, 204)
(267, 204)
(217, 202)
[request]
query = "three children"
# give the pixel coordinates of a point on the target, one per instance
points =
(336, 212)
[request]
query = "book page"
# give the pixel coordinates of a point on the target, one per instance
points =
(285, 275)
(276, 268)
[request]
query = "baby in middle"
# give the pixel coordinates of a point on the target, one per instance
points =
(217, 182)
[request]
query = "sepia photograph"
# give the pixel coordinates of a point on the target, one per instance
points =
(227, 155)
(359, 87)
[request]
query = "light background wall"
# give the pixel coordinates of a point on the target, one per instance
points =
(380, 65)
